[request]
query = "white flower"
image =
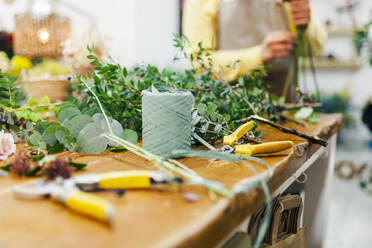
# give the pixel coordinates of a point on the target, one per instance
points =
(7, 146)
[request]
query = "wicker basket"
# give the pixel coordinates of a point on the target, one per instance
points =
(40, 36)
(55, 89)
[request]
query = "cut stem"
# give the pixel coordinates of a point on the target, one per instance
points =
(34, 107)
(283, 129)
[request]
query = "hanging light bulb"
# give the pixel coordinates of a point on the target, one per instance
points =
(43, 35)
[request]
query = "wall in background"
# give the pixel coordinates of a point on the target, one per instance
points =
(135, 30)
(142, 30)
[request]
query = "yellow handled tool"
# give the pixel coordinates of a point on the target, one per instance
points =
(65, 192)
(134, 179)
(235, 136)
(90, 205)
(270, 147)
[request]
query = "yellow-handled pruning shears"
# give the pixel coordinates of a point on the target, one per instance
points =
(251, 149)
(70, 192)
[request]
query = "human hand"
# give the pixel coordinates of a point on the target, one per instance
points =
(301, 12)
(277, 44)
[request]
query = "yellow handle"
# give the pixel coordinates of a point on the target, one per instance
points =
(136, 179)
(235, 136)
(90, 205)
(270, 147)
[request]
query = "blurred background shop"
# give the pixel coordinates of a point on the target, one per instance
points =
(136, 31)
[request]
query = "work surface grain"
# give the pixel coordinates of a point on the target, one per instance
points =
(147, 218)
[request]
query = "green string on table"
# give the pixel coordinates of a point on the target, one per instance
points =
(166, 121)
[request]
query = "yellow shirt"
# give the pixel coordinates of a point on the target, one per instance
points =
(200, 25)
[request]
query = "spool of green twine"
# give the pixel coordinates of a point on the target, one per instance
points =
(166, 121)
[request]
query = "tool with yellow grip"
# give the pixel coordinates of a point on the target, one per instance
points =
(134, 179)
(269, 147)
(65, 192)
(68, 192)
(240, 132)
(90, 205)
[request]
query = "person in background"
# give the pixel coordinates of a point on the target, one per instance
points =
(255, 32)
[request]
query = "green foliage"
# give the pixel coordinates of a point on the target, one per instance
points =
(218, 104)
(10, 94)
(337, 103)
(361, 38)
(75, 132)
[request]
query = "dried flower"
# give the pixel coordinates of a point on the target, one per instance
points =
(57, 168)
(21, 164)
(7, 146)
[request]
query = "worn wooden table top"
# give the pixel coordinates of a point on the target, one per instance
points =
(147, 218)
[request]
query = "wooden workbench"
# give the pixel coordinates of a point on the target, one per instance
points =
(151, 218)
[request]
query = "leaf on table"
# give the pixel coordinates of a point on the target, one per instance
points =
(91, 139)
(304, 113)
(5, 167)
(56, 149)
(78, 166)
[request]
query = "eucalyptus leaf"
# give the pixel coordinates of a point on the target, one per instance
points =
(46, 159)
(77, 123)
(130, 136)
(91, 139)
(24, 135)
(69, 142)
(36, 138)
(68, 113)
(116, 127)
(61, 132)
(49, 135)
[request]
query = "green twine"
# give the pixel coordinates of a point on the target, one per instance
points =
(166, 121)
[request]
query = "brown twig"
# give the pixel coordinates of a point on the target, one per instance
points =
(252, 140)
(35, 106)
(312, 139)
(292, 120)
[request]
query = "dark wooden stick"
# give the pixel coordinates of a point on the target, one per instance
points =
(312, 139)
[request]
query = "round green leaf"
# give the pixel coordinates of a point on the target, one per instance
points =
(116, 127)
(304, 113)
(76, 124)
(130, 136)
(91, 139)
(61, 132)
(36, 139)
(68, 113)
(49, 135)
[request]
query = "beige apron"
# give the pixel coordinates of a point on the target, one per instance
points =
(245, 23)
